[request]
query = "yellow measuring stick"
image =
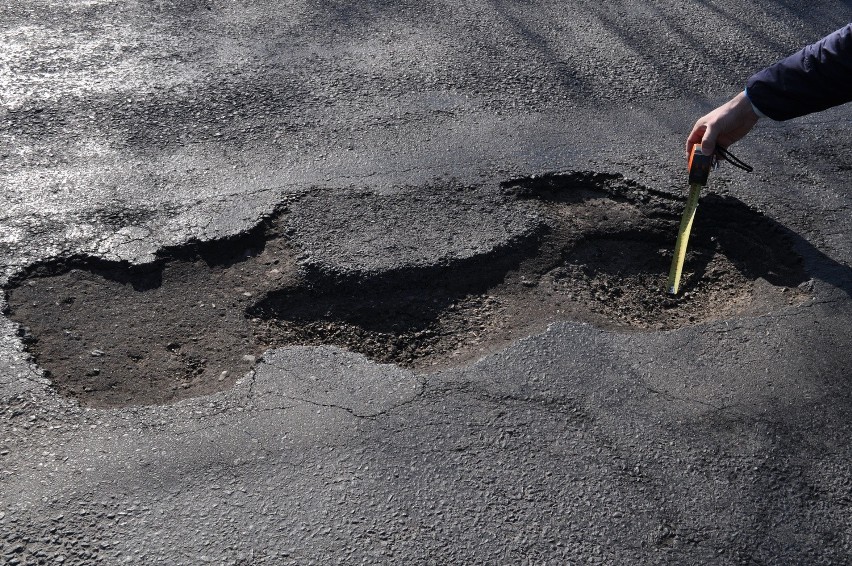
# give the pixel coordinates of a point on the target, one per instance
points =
(683, 239)
(699, 170)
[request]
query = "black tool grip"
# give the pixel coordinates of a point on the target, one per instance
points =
(699, 167)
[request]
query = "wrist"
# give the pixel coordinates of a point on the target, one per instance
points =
(754, 109)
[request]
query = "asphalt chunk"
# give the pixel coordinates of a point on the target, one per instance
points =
(594, 248)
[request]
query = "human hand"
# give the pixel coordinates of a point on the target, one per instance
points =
(724, 125)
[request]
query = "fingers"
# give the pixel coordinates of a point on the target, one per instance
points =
(726, 124)
(708, 142)
(704, 132)
(695, 136)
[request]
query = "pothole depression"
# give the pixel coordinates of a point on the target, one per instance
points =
(597, 250)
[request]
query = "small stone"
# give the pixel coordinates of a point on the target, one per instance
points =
(249, 358)
(97, 353)
(223, 375)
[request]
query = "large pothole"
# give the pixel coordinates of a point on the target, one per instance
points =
(598, 252)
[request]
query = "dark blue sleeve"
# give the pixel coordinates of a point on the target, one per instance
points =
(817, 77)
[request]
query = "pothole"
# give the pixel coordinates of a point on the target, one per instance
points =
(598, 252)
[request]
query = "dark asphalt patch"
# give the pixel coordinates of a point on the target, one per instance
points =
(599, 251)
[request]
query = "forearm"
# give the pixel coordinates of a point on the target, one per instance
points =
(817, 77)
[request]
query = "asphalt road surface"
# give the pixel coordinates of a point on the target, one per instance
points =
(288, 283)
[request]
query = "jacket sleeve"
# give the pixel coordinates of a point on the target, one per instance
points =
(817, 77)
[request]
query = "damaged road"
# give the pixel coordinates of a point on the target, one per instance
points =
(578, 247)
(382, 283)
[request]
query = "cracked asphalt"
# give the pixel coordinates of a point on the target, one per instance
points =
(129, 128)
